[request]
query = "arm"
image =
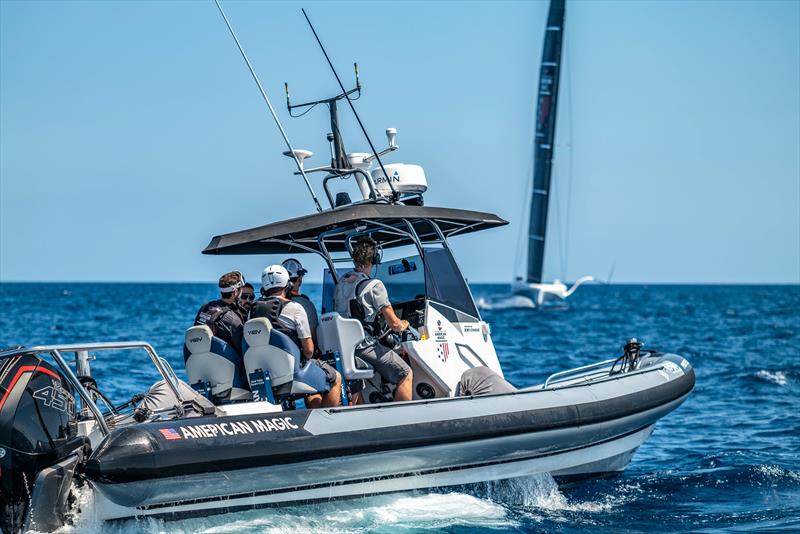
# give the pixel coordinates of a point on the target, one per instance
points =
(308, 347)
(394, 322)
(303, 330)
(380, 300)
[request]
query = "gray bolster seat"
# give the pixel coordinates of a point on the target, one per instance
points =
(267, 349)
(210, 359)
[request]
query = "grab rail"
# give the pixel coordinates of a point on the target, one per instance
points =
(55, 351)
(562, 374)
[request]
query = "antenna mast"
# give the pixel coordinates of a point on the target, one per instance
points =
(352, 107)
(272, 111)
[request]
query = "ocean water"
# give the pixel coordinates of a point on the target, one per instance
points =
(728, 459)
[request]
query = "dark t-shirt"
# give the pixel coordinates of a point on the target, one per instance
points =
(224, 320)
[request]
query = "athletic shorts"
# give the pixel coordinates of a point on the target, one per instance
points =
(314, 377)
(330, 371)
(390, 365)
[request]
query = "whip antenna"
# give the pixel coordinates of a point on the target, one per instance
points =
(352, 107)
(271, 110)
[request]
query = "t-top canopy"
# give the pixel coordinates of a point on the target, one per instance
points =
(301, 234)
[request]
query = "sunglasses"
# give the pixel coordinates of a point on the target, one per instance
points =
(248, 297)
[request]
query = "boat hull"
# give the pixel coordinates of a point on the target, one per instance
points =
(575, 430)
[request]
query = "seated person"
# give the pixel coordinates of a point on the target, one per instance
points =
(367, 297)
(296, 274)
(246, 299)
(224, 316)
(290, 318)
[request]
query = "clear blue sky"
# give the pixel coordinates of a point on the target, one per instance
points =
(131, 132)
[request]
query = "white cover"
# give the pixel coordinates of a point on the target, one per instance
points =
(405, 178)
(261, 355)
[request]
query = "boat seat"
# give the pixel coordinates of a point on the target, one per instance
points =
(340, 334)
(210, 359)
(269, 350)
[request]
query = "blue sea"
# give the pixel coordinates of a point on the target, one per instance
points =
(727, 460)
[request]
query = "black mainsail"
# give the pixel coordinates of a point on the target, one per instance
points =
(545, 138)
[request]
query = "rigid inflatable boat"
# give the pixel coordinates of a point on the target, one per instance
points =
(233, 434)
(211, 445)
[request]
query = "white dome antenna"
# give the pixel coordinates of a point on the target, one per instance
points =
(391, 133)
(299, 154)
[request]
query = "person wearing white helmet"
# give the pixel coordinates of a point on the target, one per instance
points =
(296, 274)
(290, 318)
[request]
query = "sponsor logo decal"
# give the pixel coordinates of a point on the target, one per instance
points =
(196, 340)
(232, 428)
(254, 332)
(169, 433)
(395, 177)
(672, 368)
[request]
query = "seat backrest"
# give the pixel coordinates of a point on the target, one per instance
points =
(210, 359)
(340, 334)
(267, 349)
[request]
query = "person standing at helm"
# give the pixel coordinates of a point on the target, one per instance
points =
(296, 274)
(290, 318)
(359, 296)
(224, 316)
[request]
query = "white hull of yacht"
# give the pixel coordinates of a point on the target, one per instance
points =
(542, 293)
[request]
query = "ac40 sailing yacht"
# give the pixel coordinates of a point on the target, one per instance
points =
(532, 285)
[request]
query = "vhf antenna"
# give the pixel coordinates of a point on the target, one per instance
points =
(352, 107)
(338, 157)
(272, 111)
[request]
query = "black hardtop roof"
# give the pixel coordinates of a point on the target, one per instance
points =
(282, 237)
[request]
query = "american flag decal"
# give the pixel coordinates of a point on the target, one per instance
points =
(443, 351)
(169, 433)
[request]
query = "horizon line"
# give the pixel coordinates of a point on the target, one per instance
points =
(210, 282)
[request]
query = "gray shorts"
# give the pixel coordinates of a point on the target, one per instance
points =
(390, 365)
(330, 371)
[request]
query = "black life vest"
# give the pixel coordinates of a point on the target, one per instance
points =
(271, 308)
(211, 314)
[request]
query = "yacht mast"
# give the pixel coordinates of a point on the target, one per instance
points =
(545, 138)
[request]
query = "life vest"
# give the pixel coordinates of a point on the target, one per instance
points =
(271, 308)
(211, 314)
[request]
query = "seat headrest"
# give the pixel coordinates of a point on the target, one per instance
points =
(198, 339)
(257, 332)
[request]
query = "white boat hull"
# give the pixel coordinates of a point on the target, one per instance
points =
(580, 425)
(606, 457)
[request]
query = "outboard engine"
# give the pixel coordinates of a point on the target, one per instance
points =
(39, 444)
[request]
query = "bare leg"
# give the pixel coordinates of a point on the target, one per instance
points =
(334, 396)
(313, 401)
(356, 398)
(403, 391)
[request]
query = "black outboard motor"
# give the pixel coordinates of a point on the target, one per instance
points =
(39, 444)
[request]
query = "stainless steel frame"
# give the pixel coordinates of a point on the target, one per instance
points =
(56, 352)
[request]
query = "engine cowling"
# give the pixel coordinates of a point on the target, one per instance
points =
(39, 443)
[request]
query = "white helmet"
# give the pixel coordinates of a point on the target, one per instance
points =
(274, 276)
